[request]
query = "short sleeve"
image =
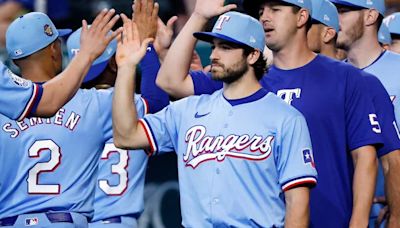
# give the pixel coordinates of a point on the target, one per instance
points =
(385, 114)
(161, 129)
(362, 125)
(295, 160)
(19, 97)
(203, 83)
(104, 99)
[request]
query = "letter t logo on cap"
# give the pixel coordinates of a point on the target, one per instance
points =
(221, 21)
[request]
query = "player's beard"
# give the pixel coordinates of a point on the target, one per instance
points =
(354, 33)
(231, 74)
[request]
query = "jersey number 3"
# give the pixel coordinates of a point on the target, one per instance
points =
(119, 168)
(33, 176)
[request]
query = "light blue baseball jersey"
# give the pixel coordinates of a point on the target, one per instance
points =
(50, 164)
(120, 181)
(235, 157)
(19, 97)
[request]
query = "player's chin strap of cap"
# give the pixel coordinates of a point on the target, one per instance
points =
(54, 217)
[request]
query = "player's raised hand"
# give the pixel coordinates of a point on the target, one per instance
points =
(130, 50)
(212, 8)
(94, 39)
(145, 14)
(164, 35)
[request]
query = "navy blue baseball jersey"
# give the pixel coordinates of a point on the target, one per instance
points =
(385, 112)
(19, 97)
(235, 157)
(386, 68)
(54, 161)
(341, 117)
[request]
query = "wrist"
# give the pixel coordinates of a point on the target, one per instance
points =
(126, 69)
(86, 57)
(199, 16)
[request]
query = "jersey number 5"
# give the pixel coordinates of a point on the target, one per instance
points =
(33, 176)
(374, 122)
(119, 168)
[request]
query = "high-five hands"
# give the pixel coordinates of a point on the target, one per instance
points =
(130, 49)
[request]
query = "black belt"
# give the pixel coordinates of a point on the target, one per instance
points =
(54, 217)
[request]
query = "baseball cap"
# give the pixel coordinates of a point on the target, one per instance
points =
(251, 6)
(393, 23)
(237, 28)
(98, 66)
(326, 13)
(367, 4)
(384, 35)
(30, 33)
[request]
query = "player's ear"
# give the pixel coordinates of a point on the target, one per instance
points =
(54, 48)
(253, 57)
(328, 34)
(371, 16)
(303, 16)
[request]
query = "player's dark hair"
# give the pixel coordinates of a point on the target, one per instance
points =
(260, 66)
(379, 21)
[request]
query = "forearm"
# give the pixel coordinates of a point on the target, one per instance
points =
(156, 98)
(175, 67)
(297, 208)
(391, 167)
(124, 114)
(63, 87)
(365, 172)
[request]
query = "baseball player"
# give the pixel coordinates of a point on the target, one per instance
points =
(121, 173)
(321, 37)
(327, 16)
(365, 52)
(393, 23)
(340, 115)
(21, 98)
(228, 143)
(49, 178)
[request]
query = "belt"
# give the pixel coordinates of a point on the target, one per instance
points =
(54, 217)
(118, 219)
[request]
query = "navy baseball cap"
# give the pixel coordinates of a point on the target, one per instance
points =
(251, 6)
(384, 35)
(379, 5)
(98, 66)
(326, 13)
(393, 23)
(30, 33)
(237, 28)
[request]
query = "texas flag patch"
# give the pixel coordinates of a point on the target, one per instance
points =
(308, 157)
(31, 221)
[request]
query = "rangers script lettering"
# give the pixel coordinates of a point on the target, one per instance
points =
(203, 148)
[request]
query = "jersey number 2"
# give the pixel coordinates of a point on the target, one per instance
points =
(33, 176)
(119, 168)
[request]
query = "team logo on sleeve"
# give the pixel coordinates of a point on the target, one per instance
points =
(201, 148)
(18, 80)
(308, 157)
